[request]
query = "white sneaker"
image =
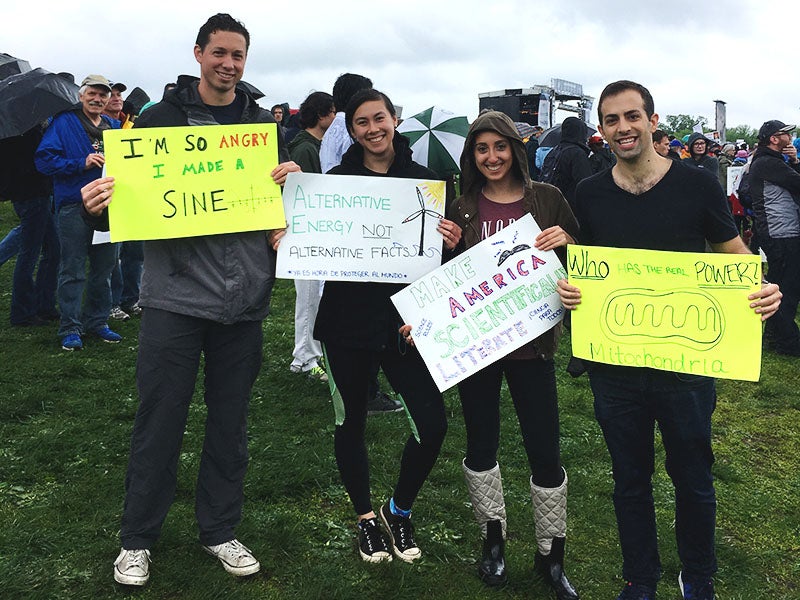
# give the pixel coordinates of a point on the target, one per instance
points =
(318, 373)
(132, 567)
(235, 557)
(118, 314)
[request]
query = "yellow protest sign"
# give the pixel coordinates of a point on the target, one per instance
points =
(173, 182)
(675, 311)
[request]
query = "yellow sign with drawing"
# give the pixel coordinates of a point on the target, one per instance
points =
(173, 182)
(675, 311)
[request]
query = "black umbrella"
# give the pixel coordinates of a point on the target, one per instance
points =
(29, 98)
(11, 65)
(137, 99)
(550, 138)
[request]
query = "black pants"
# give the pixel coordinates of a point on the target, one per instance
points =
(628, 404)
(783, 255)
(169, 354)
(352, 370)
(532, 384)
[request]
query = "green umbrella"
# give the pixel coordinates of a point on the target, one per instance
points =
(437, 137)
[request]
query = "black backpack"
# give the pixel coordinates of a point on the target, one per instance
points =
(549, 173)
(744, 191)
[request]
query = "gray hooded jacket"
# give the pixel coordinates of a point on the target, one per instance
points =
(225, 278)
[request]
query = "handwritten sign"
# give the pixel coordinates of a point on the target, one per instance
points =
(675, 311)
(734, 175)
(477, 308)
(348, 228)
(173, 182)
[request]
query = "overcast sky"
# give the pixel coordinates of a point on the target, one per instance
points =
(423, 53)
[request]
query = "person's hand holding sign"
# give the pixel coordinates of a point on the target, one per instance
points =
(280, 172)
(570, 295)
(97, 194)
(405, 331)
(274, 237)
(451, 233)
(552, 238)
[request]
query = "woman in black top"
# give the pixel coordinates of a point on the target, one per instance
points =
(358, 327)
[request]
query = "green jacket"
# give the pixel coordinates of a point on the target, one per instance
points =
(304, 150)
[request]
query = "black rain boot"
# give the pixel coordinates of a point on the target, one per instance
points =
(551, 567)
(486, 495)
(492, 569)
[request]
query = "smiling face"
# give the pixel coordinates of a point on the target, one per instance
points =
(94, 100)
(221, 66)
(626, 126)
(373, 127)
(493, 156)
(115, 102)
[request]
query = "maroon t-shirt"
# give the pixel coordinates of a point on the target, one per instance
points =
(495, 216)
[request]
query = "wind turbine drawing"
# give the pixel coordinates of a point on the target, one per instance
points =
(422, 213)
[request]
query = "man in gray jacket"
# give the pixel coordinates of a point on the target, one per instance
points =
(775, 189)
(201, 295)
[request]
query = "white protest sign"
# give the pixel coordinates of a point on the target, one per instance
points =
(734, 177)
(349, 228)
(477, 308)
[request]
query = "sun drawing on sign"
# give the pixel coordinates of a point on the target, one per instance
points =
(423, 212)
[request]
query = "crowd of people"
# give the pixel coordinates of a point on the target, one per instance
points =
(628, 186)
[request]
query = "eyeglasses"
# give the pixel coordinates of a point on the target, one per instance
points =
(780, 133)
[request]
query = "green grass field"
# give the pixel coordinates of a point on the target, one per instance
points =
(65, 424)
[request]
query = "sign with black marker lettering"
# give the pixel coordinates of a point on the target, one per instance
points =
(173, 182)
(675, 311)
(350, 228)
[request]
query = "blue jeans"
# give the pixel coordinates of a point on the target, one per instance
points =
(629, 403)
(9, 245)
(127, 274)
(76, 246)
(37, 237)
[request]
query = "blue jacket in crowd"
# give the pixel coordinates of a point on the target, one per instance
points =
(62, 155)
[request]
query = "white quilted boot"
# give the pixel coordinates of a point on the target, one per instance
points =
(486, 494)
(550, 515)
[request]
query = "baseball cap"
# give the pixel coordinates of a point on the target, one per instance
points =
(96, 81)
(675, 144)
(772, 127)
(596, 139)
(119, 86)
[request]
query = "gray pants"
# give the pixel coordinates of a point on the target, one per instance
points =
(170, 345)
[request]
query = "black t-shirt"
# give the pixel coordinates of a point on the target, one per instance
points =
(230, 114)
(682, 211)
(95, 132)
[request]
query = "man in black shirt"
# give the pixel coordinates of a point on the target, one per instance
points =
(648, 201)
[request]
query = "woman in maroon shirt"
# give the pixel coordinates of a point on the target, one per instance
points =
(498, 191)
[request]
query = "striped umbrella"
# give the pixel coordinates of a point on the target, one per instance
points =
(437, 137)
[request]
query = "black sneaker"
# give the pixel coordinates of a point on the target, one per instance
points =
(637, 591)
(371, 545)
(401, 533)
(383, 403)
(696, 588)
